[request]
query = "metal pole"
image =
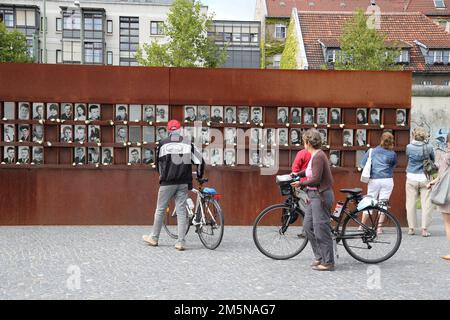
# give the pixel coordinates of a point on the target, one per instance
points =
(44, 30)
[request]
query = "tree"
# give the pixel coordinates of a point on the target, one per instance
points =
(364, 48)
(188, 44)
(13, 46)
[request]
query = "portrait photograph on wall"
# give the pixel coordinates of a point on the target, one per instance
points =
(93, 155)
(134, 134)
(217, 114)
(148, 134)
(9, 110)
(216, 156)
(256, 136)
(348, 138)
(322, 116)
(107, 155)
(335, 158)
(162, 113)
(79, 155)
(296, 115)
(308, 116)
(230, 114)
(80, 112)
(94, 112)
(282, 115)
(205, 136)
(188, 134)
(121, 134)
(335, 116)
(9, 133)
(269, 137)
(135, 112)
(24, 111)
(23, 155)
(243, 114)
(161, 133)
(80, 133)
(361, 116)
(52, 111)
(24, 132)
(148, 156)
(374, 116)
(38, 132)
(257, 115)
(230, 156)
(206, 156)
(268, 158)
(296, 137)
(361, 137)
(66, 111)
(323, 135)
(94, 133)
(134, 155)
(148, 112)
(121, 112)
(190, 113)
(38, 111)
(38, 155)
(203, 113)
(254, 159)
(66, 133)
(230, 136)
(9, 154)
(283, 136)
(401, 119)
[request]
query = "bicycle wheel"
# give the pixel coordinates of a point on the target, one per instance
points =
(363, 239)
(211, 232)
(275, 237)
(171, 224)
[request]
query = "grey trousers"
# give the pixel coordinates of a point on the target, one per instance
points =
(180, 193)
(317, 225)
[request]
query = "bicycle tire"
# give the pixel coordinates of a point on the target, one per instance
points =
(274, 210)
(397, 231)
(174, 223)
(208, 229)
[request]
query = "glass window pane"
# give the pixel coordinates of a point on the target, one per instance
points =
(109, 26)
(20, 16)
(31, 18)
(98, 24)
(88, 23)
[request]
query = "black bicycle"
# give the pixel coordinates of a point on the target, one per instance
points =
(366, 229)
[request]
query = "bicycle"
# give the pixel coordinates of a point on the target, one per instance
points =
(206, 215)
(278, 229)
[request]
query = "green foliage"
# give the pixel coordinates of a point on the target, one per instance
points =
(263, 54)
(188, 45)
(289, 56)
(270, 21)
(364, 48)
(13, 46)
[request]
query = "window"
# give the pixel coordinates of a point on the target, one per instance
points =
(427, 82)
(276, 61)
(331, 56)
(129, 40)
(446, 82)
(254, 37)
(93, 53)
(109, 58)
(439, 4)
(280, 31)
(236, 37)
(156, 28)
(58, 56)
(403, 57)
(58, 24)
(7, 16)
(438, 56)
(109, 26)
(93, 25)
(71, 52)
(71, 24)
(42, 24)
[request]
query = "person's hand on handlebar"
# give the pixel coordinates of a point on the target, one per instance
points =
(296, 179)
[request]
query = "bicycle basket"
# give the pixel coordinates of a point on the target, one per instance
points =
(284, 182)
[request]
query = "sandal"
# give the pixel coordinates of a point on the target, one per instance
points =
(425, 233)
(411, 232)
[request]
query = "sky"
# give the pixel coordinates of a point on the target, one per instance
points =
(231, 9)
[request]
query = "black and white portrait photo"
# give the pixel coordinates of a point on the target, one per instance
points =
(94, 112)
(8, 110)
(66, 133)
(189, 134)
(23, 155)
(256, 136)
(148, 134)
(348, 137)
(269, 137)
(308, 116)
(9, 133)
(162, 113)
(216, 156)
(121, 134)
(205, 136)
(282, 115)
(216, 114)
(93, 155)
(283, 136)
(361, 116)
(24, 132)
(52, 111)
(401, 119)
(206, 156)
(9, 154)
(80, 133)
(203, 113)
(361, 137)
(335, 116)
(38, 111)
(335, 158)
(24, 111)
(268, 158)
(230, 114)
(80, 112)
(254, 158)
(322, 116)
(38, 155)
(148, 157)
(134, 155)
(190, 113)
(149, 113)
(135, 112)
(323, 135)
(66, 111)
(374, 116)
(161, 133)
(230, 136)
(107, 155)
(94, 133)
(79, 155)
(243, 114)
(38, 132)
(296, 137)
(230, 157)
(296, 115)
(257, 115)
(121, 112)
(134, 134)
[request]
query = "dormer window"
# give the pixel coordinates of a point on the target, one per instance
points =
(403, 57)
(331, 55)
(438, 57)
(439, 4)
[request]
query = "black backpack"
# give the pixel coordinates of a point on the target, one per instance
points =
(429, 167)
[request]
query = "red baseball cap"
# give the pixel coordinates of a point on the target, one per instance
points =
(173, 125)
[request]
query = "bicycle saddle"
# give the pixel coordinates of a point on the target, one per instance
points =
(354, 191)
(210, 191)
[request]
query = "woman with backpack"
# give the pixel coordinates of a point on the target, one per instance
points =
(417, 152)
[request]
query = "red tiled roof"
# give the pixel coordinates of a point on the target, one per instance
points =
(436, 44)
(405, 27)
(283, 8)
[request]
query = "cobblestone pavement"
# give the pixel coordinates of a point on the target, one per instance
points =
(114, 263)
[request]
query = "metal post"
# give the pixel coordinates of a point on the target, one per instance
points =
(44, 31)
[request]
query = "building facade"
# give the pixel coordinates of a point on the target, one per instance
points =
(103, 32)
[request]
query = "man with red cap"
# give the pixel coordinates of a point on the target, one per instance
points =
(174, 159)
